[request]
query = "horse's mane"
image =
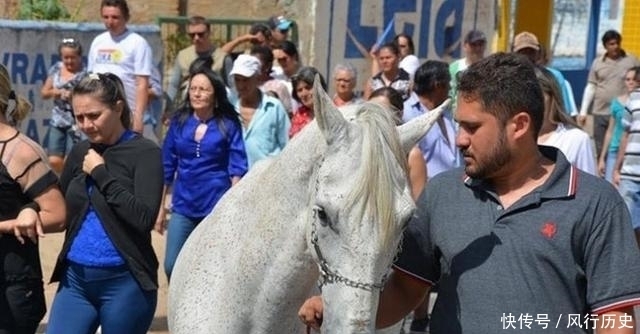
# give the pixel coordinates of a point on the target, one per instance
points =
(382, 155)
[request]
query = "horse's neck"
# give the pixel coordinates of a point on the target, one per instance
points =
(294, 168)
(282, 192)
(291, 272)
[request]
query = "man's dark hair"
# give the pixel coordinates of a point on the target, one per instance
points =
(264, 53)
(504, 84)
(609, 35)
(430, 75)
(122, 4)
(197, 20)
(289, 48)
(260, 28)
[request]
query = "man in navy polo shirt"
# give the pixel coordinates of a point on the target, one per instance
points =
(518, 239)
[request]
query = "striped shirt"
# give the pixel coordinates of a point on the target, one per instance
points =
(631, 123)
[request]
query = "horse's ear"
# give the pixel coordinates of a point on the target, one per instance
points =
(412, 131)
(329, 118)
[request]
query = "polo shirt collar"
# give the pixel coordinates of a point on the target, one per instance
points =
(622, 55)
(561, 183)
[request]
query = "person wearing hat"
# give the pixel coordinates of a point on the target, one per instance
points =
(527, 44)
(265, 123)
(474, 47)
(280, 27)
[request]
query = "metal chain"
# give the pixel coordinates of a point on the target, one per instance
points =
(328, 276)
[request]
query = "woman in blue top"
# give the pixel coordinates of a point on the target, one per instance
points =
(203, 156)
(112, 182)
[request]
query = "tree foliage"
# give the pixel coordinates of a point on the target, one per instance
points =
(51, 10)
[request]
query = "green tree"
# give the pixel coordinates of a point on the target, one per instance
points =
(51, 10)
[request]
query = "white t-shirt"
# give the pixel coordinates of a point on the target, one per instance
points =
(576, 145)
(127, 56)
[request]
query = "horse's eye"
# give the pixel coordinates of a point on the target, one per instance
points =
(320, 215)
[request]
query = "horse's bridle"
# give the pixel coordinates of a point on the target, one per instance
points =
(328, 276)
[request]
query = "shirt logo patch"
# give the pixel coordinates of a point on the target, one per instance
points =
(109, 56)
(549, 230)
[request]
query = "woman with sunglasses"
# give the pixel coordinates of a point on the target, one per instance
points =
(63, 76)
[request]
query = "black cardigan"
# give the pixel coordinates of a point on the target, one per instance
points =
(129, 186)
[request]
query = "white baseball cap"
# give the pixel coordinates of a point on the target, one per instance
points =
(246, 66)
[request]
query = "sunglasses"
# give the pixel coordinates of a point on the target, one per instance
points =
(69, 41)
(199, 34)
(284, 31)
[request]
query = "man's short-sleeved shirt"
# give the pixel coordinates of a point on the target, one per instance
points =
(127, 56)
(565, 248)
(608, 77)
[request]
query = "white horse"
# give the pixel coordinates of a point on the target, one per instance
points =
(330, 209)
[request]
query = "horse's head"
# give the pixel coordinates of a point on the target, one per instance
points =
(361, 203)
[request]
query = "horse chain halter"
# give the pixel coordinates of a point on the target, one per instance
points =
(328, 276)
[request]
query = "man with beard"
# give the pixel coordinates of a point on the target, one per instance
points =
(517, 238)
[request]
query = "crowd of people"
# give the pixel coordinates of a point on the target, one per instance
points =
(516, 210)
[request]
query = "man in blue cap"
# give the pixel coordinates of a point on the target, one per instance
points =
(279, 26)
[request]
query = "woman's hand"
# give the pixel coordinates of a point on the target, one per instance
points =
(91, 160)
(310, 312)
(65, 94)
(28, 224)
(601, 167)
(616, 178)
(161, 221)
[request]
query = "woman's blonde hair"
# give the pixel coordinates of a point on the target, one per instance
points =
(551, 87)
(13, 108)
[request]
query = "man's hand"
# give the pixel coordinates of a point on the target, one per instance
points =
(582, 120)
(310, 313)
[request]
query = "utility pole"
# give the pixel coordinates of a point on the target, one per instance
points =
(182, 7)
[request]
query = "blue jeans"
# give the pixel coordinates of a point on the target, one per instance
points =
(110, 297)
(630, 191)
(59, 141)
(609, 163)
(178, 230)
